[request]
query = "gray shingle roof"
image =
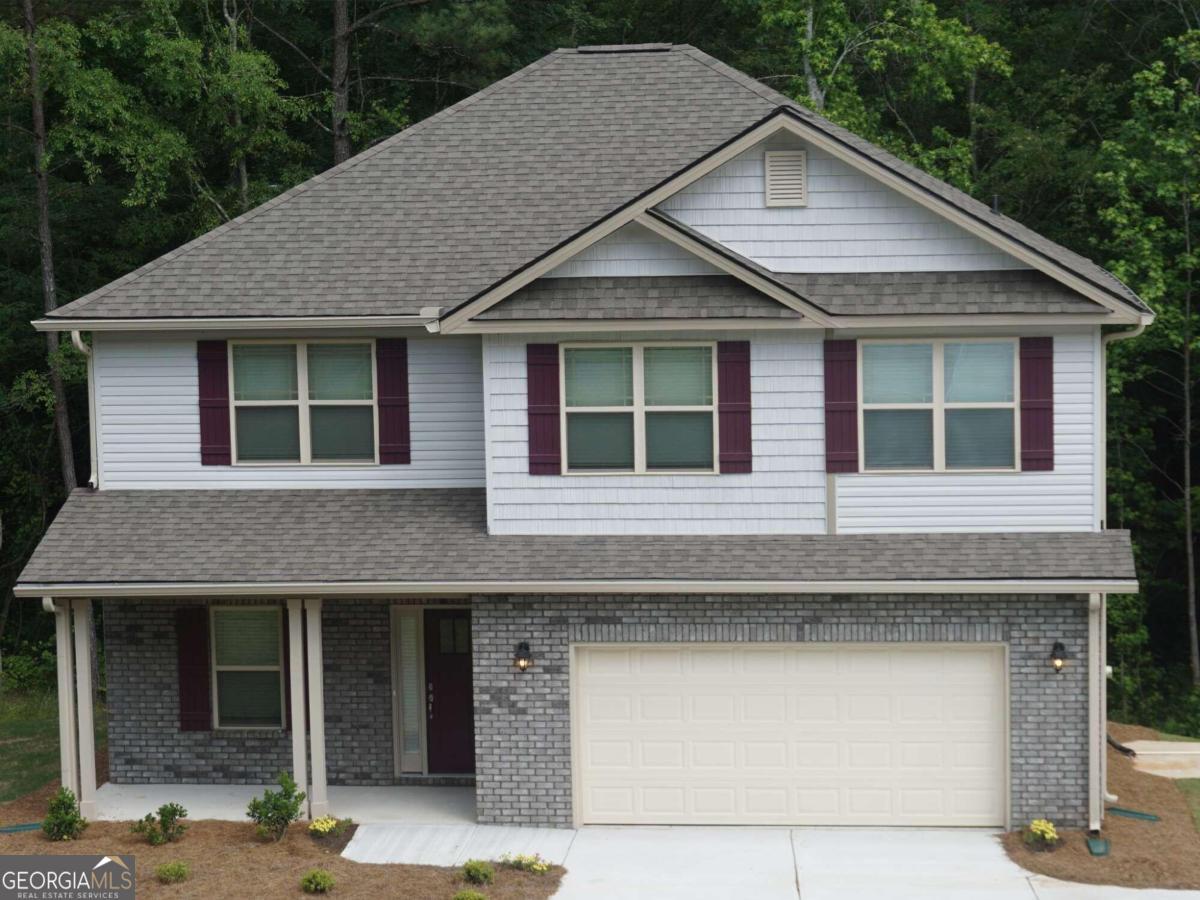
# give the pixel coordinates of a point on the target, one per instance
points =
(640, 297)
(449, 207)
(949, 293)
(439, 535)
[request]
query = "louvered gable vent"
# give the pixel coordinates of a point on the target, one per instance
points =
(787, 177)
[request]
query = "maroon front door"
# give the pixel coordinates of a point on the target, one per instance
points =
(449, 707)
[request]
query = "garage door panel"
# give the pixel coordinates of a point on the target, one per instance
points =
(877, 743)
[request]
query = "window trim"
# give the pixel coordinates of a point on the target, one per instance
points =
(638, 408)
(303, 404)
(215, 667)
(939, 406)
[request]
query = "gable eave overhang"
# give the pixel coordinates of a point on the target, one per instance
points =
(1121, 311)
(168, 589)
(234, 323)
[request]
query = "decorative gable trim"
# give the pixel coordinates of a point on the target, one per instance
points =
(785, 119)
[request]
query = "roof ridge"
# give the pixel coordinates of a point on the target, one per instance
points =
(320, 178)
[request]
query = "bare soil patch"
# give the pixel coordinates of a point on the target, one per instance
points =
(1163, 854)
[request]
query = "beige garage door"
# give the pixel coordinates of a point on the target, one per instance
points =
(811, 734)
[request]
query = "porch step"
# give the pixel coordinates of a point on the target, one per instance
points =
(436, 780)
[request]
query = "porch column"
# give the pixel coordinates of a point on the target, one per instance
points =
(296, 665)
(1096, 733)
(82, 614)
(68, 749)
(318, 796)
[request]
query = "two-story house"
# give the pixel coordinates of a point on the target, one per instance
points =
(626, 440)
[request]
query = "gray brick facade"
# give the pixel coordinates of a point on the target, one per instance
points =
(523, 722)
(145, 744)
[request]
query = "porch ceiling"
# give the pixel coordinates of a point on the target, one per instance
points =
(410, 540)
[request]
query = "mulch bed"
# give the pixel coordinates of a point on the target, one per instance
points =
(1164, 854)
(334, 843)
(228, 859)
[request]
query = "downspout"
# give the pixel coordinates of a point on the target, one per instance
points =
(1098, 607)
(93, 425)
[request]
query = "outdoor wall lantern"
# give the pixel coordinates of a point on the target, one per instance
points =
(1058, 657)
(523, 659)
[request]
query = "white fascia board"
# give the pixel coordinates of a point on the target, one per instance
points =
(606, 226)
(243, 323)
(780, 120)
(969, 223)
(580, 326)
(737, 270)
(657, 586)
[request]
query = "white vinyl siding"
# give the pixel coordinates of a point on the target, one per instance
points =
(147, 400)
(784, 494)
(1061, 500)
(632, 250)
(850, 223)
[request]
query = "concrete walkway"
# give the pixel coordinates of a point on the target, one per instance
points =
(1168, 759)
(763, 863)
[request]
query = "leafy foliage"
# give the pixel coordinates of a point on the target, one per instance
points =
(63, 821)
(163, 828)
(274, 811)
(168, 117)
(173, 872)
(478, 871)
(316, 881)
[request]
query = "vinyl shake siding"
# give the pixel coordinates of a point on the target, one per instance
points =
(784, 493)
(149, 425)
(851, 222)
(1061, 500)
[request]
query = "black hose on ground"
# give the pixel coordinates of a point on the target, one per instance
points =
(1120, 748)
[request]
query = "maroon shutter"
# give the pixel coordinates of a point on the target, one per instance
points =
(841, 406)
(195, 689)
(733, 406)
(542, 406)
(391, 375)
(1037, 404)
(212, 358)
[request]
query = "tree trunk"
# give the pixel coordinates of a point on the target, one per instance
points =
(230, 10)
(1188, 528)
(341, 81)
(62, 422)
(816, 94)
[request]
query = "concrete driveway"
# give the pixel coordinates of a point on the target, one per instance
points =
(811, 864)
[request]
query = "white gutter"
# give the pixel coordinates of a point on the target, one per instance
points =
(655, 586)
(247, 323)
(93, 425)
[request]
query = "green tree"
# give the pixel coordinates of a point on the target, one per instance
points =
(1151, 177)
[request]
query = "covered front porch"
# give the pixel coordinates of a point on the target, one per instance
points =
(366, 703)
(406, 804)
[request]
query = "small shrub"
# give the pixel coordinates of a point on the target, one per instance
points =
(1041, 835)
(163, 829)
(63, 821)
(477, 871)
(526, 862)
(316, 881)
(172, 872)
(469, 895)
(274, 811)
